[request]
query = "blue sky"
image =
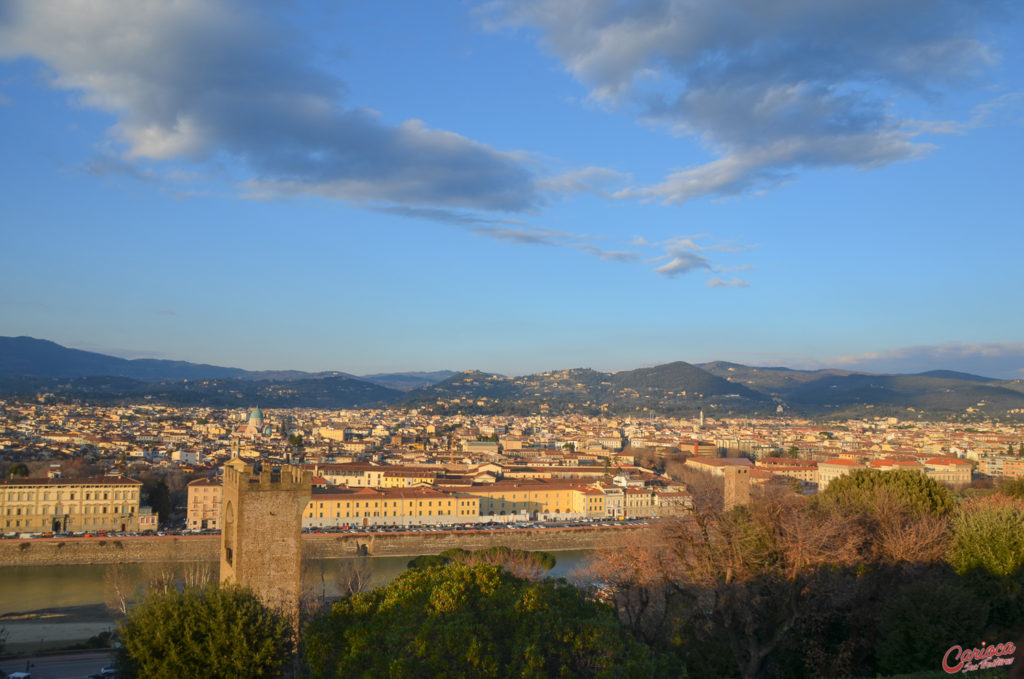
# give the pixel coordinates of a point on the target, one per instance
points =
(516, 187)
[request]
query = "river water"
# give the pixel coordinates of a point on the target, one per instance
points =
(31, 588)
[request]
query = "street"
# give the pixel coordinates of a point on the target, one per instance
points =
(77, 665)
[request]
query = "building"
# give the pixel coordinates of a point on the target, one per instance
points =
(204, 496)
(951, 471)
(716, 466)
(801, 470)
(333, 507)
(41, 505)
(830, 470)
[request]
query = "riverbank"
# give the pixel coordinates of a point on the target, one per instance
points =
(190, 548)
(56, 606)
(53, 628)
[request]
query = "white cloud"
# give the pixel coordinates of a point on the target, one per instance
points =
(770, 88)
(202, 78)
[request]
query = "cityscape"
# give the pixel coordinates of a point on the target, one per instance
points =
(511, 338)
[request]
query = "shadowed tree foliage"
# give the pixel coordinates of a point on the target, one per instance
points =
(213, 632)
(925, 619)
(474, 621)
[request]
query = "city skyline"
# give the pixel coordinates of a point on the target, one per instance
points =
(515, 187)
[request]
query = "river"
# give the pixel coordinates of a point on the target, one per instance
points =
(32, 588)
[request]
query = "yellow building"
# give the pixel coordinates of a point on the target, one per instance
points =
(56, 505)
(538, 497)
(204, 497)
(363, 475)
(388, 507)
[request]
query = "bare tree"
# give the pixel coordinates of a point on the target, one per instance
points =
(902, 534)
(120, 588)
(160, 577)
(197, 574)
(628, 573)
(354, 576)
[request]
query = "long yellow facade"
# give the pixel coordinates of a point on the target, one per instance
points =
(73, 505)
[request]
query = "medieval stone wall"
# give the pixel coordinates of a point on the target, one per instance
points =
(51, 551)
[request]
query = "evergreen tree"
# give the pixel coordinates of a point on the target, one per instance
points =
(213, 632)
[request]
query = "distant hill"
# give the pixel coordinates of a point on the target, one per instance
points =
(680, 376)
(30, 366)
(323, 392)
(842, 391)
(410, 380)
(955, 375)
(767, 380)
(30, 357)
(671, 388)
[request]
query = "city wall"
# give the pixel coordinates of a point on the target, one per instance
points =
(56, 551)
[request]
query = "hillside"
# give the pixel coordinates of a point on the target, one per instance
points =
(324, 392)
(35, 358)
(671, 388)
(30, 366)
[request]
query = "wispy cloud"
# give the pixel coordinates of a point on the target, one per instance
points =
(683, 262)
(731, 283)
(609, 255)
(992, 359)
(981, 115)
(516, 231)
(769, 88)
(106, 165)
(595, 180)
(680, 255)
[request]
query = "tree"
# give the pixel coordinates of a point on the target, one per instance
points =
(1013, 488)
(793, 452)
(119, 588)
(518, 562)
(18, 469)
(213, 632)
(474, 621)
(989, 534)
(863, 488)
(917, 625)
(159, 497)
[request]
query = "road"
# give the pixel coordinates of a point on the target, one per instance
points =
(61, 666)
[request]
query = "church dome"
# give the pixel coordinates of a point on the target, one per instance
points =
(256, 415)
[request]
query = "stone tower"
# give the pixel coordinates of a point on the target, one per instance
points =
(261, 532)
(737, 486)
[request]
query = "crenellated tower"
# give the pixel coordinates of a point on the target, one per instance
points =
(261, 531)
